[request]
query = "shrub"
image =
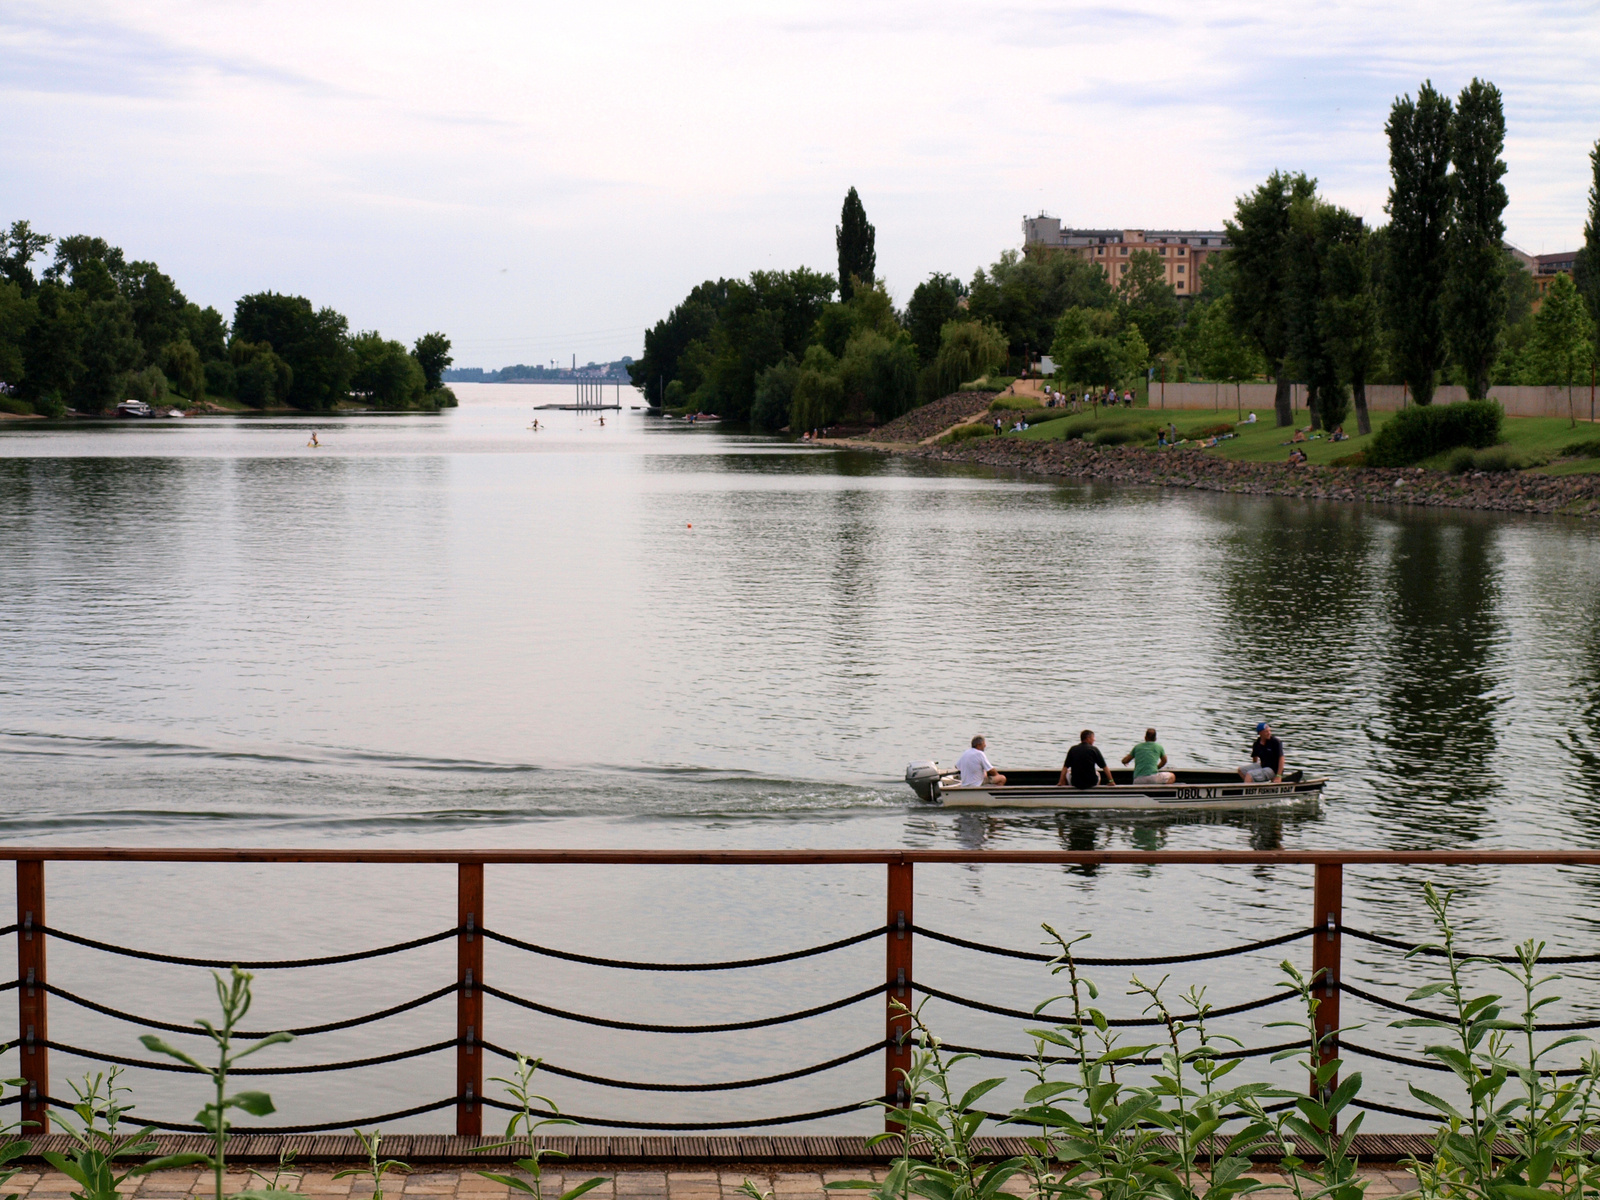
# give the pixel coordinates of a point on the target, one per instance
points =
(11, 404)
(1358, 459)
(1588, 449)
(1496, 459)
(1414, 434)
(965, 433)
(1205, 431)
(981, 385)
(1462, 461)
(1015, 404)
(1118, 435)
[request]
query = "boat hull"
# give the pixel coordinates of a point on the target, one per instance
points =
(1194, 789)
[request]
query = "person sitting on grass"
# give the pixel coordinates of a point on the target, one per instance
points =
(1339, 435)
(1296, 457)
(1299, 436)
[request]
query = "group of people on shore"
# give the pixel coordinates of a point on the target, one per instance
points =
(1072, 402)
(1085, 766)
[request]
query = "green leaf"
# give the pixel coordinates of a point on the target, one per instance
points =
(272, 1039)
(1432, 989)
(170, 1162)
(257, 1104)
(157, 1046)
(1433, 1101)
(585, 1186)
(511, 1181)
(853, 1185)
(977, 1091)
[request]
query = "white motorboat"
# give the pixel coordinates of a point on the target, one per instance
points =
(1195, 788)
(135, 408)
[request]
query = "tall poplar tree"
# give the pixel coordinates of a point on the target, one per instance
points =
(1475, 303)
(1586, 271)
(1419, 211)
(855, 237)
(1259, 260)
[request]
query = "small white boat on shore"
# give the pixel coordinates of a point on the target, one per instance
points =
(1195, 788)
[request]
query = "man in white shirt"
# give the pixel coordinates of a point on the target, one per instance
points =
(975, 767)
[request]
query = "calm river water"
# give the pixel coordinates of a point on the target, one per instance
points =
(452, 630)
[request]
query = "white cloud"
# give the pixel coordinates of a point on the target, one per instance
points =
(541, 179)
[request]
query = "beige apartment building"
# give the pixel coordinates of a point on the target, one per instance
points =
(1181, 251)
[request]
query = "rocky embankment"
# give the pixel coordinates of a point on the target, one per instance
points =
(933, 418)
(1515, 491)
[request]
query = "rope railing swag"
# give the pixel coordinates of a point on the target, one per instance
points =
(1009, 1056)
(1413, 1011)
(897, 986)
(1117, 1022)
(1084, 960)
(731, 965)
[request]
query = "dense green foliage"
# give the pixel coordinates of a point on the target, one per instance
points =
(856, 241)
(92, 329)
(1422, 431)
(1258, 270)
(1586, 271)
(1473, 305)
(1419, 211)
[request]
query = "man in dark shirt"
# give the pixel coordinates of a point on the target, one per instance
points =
(1266, 758)
(1084, 765)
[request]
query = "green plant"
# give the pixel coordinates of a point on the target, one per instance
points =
(941, 1125)
(1462, 460)
(1496, 459)
(531, 1121)
(1314, 1120)
(233, 995)
(1015, 404)
(1584, 449)
(965, 433)
(1518, 1134)
(1422, 431)
(1099, 1135)
(376, 1167)
(16, 407)
(282, 1171)
(1358, 459)
(1119, 435)
(12, 1147)
(93, 1164)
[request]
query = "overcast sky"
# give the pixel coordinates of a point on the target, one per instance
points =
(540, 179)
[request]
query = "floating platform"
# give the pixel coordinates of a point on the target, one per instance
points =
(576, 407)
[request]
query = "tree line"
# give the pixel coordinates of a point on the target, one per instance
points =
(90, 329)
(1308, 292)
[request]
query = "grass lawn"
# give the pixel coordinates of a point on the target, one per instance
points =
(1265, 442)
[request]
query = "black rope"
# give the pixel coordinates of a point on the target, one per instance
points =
(1254, 1052)
(9, 984)
(643, 1027)
(304, 1031)
(1410, 947)
(245, 1130)
(687, 1126)
(1157, 960)
(874, 1048)
(1396, 1006)
(733, 964)
(1124, 1022)
(1373, 1106)
(1424, 1064)
(311, 1069)
(224, 963)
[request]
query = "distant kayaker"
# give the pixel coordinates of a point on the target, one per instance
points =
(1148, 759)
(1266, 758)
(975, 767)
(1085, 765)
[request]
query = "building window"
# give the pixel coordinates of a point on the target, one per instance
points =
(1180, 285)
(1124, 250)
(1124, 268)
(1100, 250)
(1181, 253)
(1180, 268)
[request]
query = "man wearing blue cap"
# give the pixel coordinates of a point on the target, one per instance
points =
(1266, 758)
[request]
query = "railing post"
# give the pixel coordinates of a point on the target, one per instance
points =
(33, 1028)
(897, 1046)
(1328, 903)
(469, 998)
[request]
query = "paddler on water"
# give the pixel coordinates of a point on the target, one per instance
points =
(1266, 758)
(1085, 765)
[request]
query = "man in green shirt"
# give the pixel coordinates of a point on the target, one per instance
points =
(1148, 759)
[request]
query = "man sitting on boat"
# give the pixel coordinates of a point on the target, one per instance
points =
(1084, 765)
(1148, 759)
(975, 767)
(1266, 758)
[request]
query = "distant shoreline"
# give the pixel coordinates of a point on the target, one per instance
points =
(1512, 491)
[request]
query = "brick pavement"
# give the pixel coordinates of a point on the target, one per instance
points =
(630, 1184)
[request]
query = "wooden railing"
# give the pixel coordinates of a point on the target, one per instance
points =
(899, 925)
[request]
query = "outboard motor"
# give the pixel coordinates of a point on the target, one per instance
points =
(924, 780)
